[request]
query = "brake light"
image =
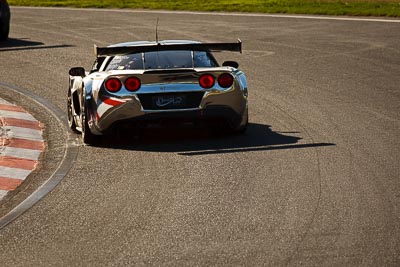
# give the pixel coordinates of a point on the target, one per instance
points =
(206, 81)
(113, 85)
(225, 80)
(132, 84)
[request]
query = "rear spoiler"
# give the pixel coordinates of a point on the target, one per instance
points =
(123, 50)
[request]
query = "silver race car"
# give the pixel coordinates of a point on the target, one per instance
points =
(140, 84)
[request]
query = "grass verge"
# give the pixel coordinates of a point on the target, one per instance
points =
(387, 8)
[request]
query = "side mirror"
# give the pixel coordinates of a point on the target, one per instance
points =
(77, 71)
(233, 64)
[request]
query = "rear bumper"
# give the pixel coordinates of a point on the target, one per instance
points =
(229, 107)
(215, 114)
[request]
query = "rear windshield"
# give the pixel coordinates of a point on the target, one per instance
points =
(162, 60)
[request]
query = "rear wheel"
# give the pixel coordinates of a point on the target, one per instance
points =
(242, 129)
(70, 112)
(87, 136)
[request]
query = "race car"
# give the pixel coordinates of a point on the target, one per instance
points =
(145, 83)
(4, 20)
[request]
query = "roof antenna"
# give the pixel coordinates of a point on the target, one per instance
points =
(157, 30)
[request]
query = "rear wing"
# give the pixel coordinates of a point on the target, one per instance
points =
(123, 50)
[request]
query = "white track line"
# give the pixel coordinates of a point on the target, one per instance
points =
(362, 19)
(68, 160)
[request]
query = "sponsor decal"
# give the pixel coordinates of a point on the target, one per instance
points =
(165, 101)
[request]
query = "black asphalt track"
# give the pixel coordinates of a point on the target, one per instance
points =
(314, 181)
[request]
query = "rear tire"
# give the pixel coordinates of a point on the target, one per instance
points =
(70, 112)
(242, 129)
(87, 136)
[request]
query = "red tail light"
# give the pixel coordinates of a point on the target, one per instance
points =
(113, 85)
(133, 84)
(206, 81)
(225, 80)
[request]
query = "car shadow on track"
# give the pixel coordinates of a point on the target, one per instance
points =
(190, 142)
(25, 44)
